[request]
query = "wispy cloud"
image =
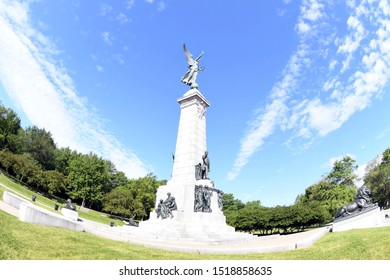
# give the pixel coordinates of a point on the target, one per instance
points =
(105, 9)
(161, 6)
(122, 18)
(313, 106)
(383, 133)
(41, 87)
(129, 4)
(107, 37)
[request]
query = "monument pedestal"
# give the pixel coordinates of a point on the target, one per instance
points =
(70, 214)
(187, 222)
(366, 219)
(199, 215)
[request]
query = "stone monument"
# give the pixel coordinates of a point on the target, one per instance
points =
(197, 209)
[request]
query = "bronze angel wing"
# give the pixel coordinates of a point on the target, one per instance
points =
(190, 59)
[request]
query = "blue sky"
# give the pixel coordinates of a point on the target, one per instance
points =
(293, 85)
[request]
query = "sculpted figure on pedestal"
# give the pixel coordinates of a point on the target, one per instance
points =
(190, 76)
(361, 202)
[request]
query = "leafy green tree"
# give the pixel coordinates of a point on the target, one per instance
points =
(117, 178)
(343, 172)
(9, 125)
(40, 144)
(336, 189)
(7, 159)
(62, 159)
(309, 214)
(230, 203)
(144, 190)
(330, 196)
(27, 170)
(386, 157)
(231, 206)
(120, 201)
(378, 180)
(249, 218)
(54, 182)
(88, 176)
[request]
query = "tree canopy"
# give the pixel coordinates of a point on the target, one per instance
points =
(378, 180)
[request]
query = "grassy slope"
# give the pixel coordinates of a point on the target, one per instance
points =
(48, 203)
(23, 241)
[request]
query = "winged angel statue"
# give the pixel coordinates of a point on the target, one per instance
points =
(189, 77)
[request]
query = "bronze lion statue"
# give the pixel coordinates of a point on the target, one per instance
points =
(361, 202)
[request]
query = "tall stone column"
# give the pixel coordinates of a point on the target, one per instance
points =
(191, 136)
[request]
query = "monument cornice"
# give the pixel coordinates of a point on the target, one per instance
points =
(193, 94)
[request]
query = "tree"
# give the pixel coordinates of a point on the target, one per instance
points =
(7, 159)
(386, 157)
(231, 206)
(330, 196)
(27, 170)
(40, 144)
(117, 178)
(144, 190)
(335, 190)
(248, 217)
(9, 125)
(343, 172)
(62, 159)
(54, 182)
(378, 180)
(88, 176)
(120, 201)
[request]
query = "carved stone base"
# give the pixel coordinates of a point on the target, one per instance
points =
(187, 224)
(70, 214)
(365, 219)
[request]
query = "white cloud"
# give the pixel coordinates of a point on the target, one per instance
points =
(353, 40)
(274, 114)
(281, 12)
(294, 107)
(118, 58)
(130, 4)
(311, 12)
(161, 6)
(383, 133)
(99, 68)
(149, 1)
(107, 37)
(122, 18)
(105, 9)
(45, 92)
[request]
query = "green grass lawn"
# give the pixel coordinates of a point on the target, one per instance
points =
(48, 204)
(23, 241)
